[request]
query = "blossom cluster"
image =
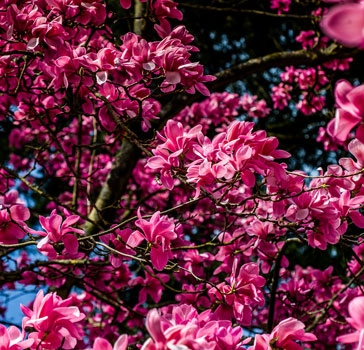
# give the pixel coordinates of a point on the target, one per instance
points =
(198, 250)
(237, 152)
(51, 323)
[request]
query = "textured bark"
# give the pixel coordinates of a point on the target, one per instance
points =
(104, 210)
(139, 15)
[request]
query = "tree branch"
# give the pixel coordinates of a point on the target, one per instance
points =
(114, 187)
(254, 66)
(279, 60)
(234, 10)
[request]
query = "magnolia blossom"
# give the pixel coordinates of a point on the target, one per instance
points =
(254, 107)
(284, 336)
(159, 232)
(12, 339)
(59, 230)
(170, 154)
(350, 112)
(13, 214)
(117, 240)
(280, 5)
(356, 148)
(238, 151)
(281, 95)
(240, 294)
(52, 322)
(150, 285)
(183, 328)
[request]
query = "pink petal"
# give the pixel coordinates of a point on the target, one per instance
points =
(101, 77)
(121, 343)
(345, 24)
(154, 326)
(101, 343)
(348, 338)
(343, 123)
(356, 311)
(135, 239)
(167, 180)
(70, 220)
(125, 4)
(342, 89)
(355, 97)
(156, 162)
(63, 61)
(202, 89)
(360, 133)
(356, 148)
(358, 219)
(159, 258)
(19, 213)
(173, 77)
(70, 243)
(32, 43)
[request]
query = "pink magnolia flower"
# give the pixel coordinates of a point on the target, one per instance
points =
(356, 320)
(345, 23)
(280, 5)
(356, 148)
(117, 240)
(22, 18)
(284, 336)
(106, 60)
(183, 328)
(242, 291)
(59, 231)
(204, 173)
(158, 232)
(254, 107)
(12, 339)
(281, 96)
(308, 38)
(350, 112)
(311, 78)
(150, 285)
(177, 143)
(335, 180)
(349, 207)
(52, 33)
(316, 206)
(52, 322)
(13, 213)
(165, 8)
(65, 68)
(310, 104)
(92, 12)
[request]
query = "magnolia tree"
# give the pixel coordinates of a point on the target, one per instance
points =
(143, 202)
